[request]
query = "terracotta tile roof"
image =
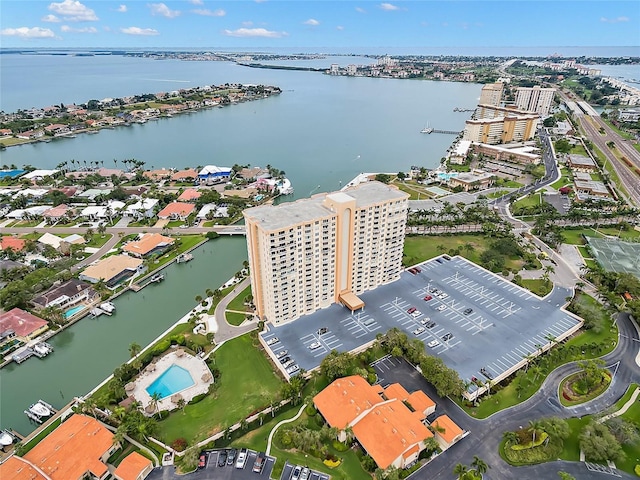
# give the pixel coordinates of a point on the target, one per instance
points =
(185, 174)
(395, 390)
(56, 212)
(388, 431)
(155, 174)
(21, 322)
(451, 430)
(73, 449)
(346, 398)
(411, 451)
(15, 243)
(420, 402)
(189, 194)
(16, 468)
(132, 466)
(177, 208)
(110, 267)
(147, 243)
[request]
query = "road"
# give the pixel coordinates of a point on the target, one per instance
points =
(486, 435)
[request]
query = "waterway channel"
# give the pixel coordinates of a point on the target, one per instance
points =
(90, 350)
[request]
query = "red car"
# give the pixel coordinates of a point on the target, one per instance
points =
(427, 298)
(203, 461)
(411, 310)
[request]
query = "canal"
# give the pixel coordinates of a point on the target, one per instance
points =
(89, 351)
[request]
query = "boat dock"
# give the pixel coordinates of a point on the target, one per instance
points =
(435, 130)
(40, 411)
(184, 258)
(155, 278)
(40, 350)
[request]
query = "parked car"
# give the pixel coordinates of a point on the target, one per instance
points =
(284, 360)
(467, 311)
(441, 308)
(411, 310)
(322, 330)
(293, 369)
(231, 458)
(430, 324)
(282, 353)
(222, 458)
(427, 298)
(289, 363)
(314, 345)
(202, 462)
(273, 340)
(416, 314)
(417, 269)
(305, 474)
(425, 320)
(413, 271)
(433, 343)
(447, 336)
(295, 475)
(242, 458)
(418, 331)
(258, 465)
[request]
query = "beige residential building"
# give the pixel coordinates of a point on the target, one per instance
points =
(491, 94)
(326, 249)
(516, 128)
(535, 99)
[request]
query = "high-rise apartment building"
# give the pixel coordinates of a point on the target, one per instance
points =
(309, 254)
(491, 94)
(511, 128)
(535, 99)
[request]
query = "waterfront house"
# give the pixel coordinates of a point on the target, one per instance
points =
(155, 175)
(176, 211)
(143, 208)
(113, 270)
(149, 244)
(14, 243)
(31, 134)
(212, 174)
(37, 175)
(212, 210)
(133, 467)
(57, 213)
(17, 468)
(187, 175)
(57, 129)
(25, 325)
(66, 295)
(387, 423)
(189, 195)
(79, 448)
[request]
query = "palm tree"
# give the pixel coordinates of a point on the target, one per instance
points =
(155, 398)
(460, 470)
(534, 425)
(479, 465)
(134, 349)
(510, 437)
(181, 404)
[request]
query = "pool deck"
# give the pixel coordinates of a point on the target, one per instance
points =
(196, 367)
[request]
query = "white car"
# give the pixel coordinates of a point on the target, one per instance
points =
(433, 343)
(418, 331)
(314, 346)
(273, 340)
(293, 369)
(441, 308)
(416, 314)
(242, 459)
(425, 320)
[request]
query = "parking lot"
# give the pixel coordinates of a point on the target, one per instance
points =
(481, 325)
(211, 470)
(288, 473)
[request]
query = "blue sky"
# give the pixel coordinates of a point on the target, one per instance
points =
(302, 23)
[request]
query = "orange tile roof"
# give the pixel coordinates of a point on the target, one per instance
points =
(189, 194)
(177, 208)
(411, 451)
(21, 322)
(388, 431)
(346, 398)
(451, 430)
(55, 212)
(16, 468)
(395, 390)
(420, 402)
(73, 449)
(147, 243)
(15, 243)
(132, 466)
(184, 174)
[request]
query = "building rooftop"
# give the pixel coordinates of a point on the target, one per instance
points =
(593, 186)
(110, 267)
(581, 160)
(450, 430)
(16, 468)
(21, 322)
(189, 194)
(64, 291)
(346, 398)
(132, 466)
(177, 208)
(56, 212)
(73, 449)
(147, 243)
(388, 431)
(14, 243)
(188, 173)
(289, 214)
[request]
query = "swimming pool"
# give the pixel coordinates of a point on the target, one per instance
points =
(172, 380)
(72, 311)
(447, 176)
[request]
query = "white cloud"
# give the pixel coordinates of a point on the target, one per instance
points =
(26, 32)
(50, 19)
(340, 27)
(254, 32)
(139, 31)
(209, 13)
(388, 6)
(248, 23)
(196, 2)
(68, 29)
(162, 10)
(614, 20)
(122, 9)
(312, 22)
(73, 11)
(360, 10)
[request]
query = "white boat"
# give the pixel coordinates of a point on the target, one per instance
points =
(184, 258)
(426, 130)
(40, 410)
(108, 307)
(42, 349)
(6, 438)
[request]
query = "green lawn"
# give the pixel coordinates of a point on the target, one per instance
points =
(238, 302)
(415, 190)
(98, 240)
(538, 286)
(574, 237)
(174, 223)
(234, 318)
(528, 201)
(247, 384)
(571, 450)
(633, 450)
(578, 150)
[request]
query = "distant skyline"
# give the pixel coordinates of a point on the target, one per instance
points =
(317, 24)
